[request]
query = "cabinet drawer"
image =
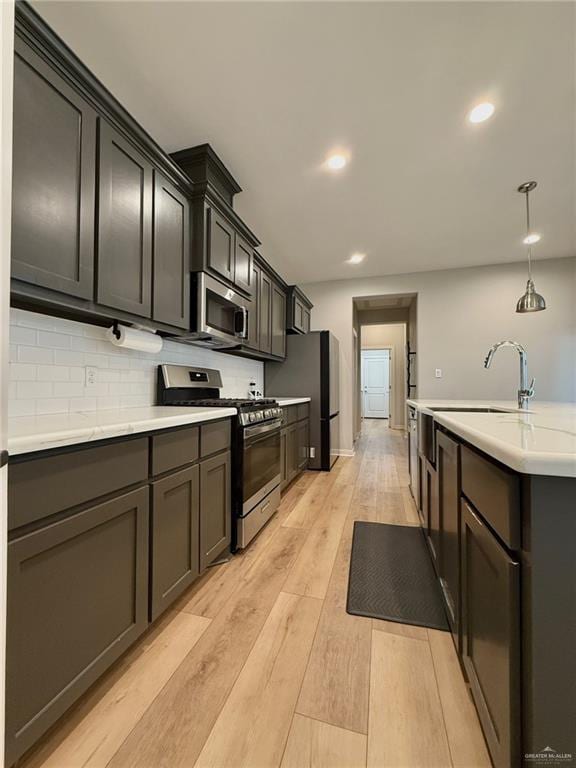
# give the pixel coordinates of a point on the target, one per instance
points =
(77, 599)
(214, 437)
(302, 411)
(495, 493)
(175, 449)
(290, 414)
(41, 487)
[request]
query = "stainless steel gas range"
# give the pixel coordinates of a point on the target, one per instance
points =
(255, 444)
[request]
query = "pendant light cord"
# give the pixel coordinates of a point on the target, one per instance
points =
(527, 234)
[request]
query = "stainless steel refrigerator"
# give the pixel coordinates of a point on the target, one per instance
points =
(312, 369)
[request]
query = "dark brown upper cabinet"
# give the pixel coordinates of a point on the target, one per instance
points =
(298, 311)
(243, 260)
(54, 156)
(125, 193)
(264, 309)
(220, 247)
(171, 253)
(278, 321)
(254, 310)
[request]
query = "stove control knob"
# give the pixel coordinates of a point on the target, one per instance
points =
(252, 416)
(244, 419)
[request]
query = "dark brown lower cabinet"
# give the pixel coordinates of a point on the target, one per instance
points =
(291, 452)
(302, 444)
(77, 599)
(283, 473)
(215, 507)
(491, 636)
(428, 506)
(448, 516)
(175, 537)
(294, 440)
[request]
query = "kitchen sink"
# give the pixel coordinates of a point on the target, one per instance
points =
(469, 409)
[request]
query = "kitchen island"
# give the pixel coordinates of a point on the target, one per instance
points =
(496, 496)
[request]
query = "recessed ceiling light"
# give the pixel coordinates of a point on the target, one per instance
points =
(356, 258)
(481, 112)
(532, 238)
(336, 161)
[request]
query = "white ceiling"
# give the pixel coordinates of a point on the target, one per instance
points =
(273, 86)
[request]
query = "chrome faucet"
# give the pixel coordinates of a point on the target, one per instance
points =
(525, 392)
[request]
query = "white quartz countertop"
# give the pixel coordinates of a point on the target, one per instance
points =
(539, 441)
(40, 433)
(282, 401)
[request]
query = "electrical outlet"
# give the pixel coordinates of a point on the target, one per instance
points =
(90, 377)
(438, 373)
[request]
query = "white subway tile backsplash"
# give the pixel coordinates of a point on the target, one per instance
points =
(19, 335)
(49, 356)
(31, 390)
(35, 355)
(22, 372)
(53, 340)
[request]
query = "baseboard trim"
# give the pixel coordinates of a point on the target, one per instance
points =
(345, 452)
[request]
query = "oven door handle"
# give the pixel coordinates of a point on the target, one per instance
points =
(262, 429)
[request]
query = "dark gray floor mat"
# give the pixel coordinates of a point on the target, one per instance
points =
(392, 577)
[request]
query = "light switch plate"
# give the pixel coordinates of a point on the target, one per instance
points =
(438, 373)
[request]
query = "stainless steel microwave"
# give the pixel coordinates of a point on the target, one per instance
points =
(219, 314)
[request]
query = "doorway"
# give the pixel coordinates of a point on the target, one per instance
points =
(375, 385)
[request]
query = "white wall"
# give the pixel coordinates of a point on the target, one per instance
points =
(393, 336)
(48, 357)
(461, 313)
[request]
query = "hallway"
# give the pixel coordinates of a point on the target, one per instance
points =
(259, 665)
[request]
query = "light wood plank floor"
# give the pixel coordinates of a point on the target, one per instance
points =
(259, 665)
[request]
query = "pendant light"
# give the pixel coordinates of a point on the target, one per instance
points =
(530, 301)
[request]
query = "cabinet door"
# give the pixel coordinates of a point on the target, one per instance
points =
(220, 246)
(265, 312)
(302, 442)
(254, 310)
(124, 225)
(306, 323)
(54, 172)
(448, 478)
(490, 636)
(283, 456)
(432, 514)
(298, 314)
(175, 537)
(278, 346)
(291, 453)
(171, 253)
(215, 507)
(243, 259)
(77, 599)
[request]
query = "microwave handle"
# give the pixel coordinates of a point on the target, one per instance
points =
(241, 319)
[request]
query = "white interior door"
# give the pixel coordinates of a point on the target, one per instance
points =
(376, 383)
